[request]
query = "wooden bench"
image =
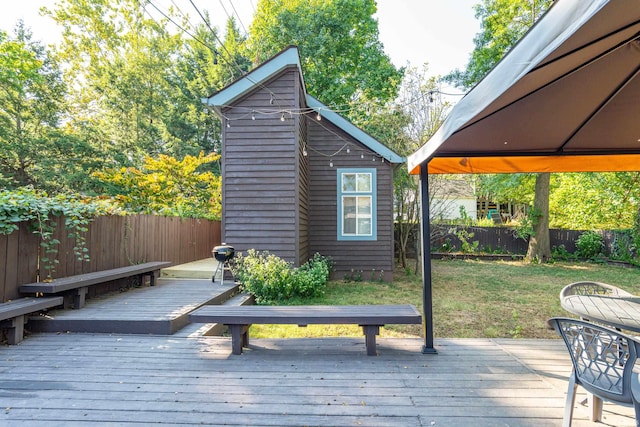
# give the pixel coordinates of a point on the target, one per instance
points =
(75, 288)
(12, 314)
(370, 317)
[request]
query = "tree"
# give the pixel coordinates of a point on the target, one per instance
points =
(35, 148)
(168, 186)
(134, 79)
(503, 23)
(408, 123)
(593, 201)
(342, 58)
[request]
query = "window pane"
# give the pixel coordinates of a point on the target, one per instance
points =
(364, 206)
(348, 182)
(364, 182)
(364, 215)
(349, 215)
(364, 226)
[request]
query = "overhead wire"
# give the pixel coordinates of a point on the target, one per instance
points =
(213, 50)
(232, 60)
(238, 16)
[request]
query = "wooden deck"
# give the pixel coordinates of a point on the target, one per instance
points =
(162, 309)
(131, 380)
(186, 379)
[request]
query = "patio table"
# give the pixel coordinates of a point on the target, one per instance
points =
(622, 312)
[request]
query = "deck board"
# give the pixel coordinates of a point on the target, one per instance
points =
(161, 309)
(83, 379)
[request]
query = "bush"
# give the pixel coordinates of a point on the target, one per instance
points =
(590, 244)
(271, 279)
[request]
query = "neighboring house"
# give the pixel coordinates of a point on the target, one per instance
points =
(450, 198)
(299, 179)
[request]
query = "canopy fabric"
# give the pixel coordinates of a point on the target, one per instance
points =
(534, 164)
(570, 86)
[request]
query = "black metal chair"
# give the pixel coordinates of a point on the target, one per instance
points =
(603, 361)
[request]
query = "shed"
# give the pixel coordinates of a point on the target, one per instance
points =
(298, 178)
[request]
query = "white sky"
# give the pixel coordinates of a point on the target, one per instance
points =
(439, 32)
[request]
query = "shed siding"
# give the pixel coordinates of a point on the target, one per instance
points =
(260, 170)
(370, 257)
(303, 181)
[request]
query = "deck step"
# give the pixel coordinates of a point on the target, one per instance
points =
(215, 329)
(161, 310)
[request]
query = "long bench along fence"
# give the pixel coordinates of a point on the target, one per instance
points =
(112, 242)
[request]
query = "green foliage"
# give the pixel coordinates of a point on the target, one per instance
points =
(625, 245)
(590, 245)
(342, 57)
(40, 211)
(35, 148)
(466, 245)
(167, 186)
(561, 253)
(503, 23)
(595, 201)
(271, 279)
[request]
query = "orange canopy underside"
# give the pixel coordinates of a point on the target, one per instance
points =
(533, 164)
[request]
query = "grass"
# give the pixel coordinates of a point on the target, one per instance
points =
(471, 298)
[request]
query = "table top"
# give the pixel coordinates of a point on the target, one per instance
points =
(618, 311)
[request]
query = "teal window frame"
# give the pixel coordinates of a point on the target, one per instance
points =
(342, 193)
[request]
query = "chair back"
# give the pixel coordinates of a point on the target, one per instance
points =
(602, 358)
(592, 288)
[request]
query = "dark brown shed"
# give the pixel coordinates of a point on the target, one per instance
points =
(298, 178)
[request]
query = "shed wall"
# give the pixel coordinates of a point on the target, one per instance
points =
(260, 165)
(372, 258)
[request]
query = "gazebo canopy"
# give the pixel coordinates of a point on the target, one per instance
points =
(569, 87)
(565, 98)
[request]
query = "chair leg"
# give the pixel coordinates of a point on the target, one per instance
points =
(595, 404)
(571, 400)
(636, 406)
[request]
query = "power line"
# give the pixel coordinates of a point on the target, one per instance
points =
(238, 15)
(213, 50)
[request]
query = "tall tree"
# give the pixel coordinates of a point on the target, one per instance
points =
(342, 57)
(35, 148)
(124, 59)
(420, 101)
(503, 23)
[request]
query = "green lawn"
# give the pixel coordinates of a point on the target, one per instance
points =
(471, 299)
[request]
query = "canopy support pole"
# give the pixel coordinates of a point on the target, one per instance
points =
(427, 297)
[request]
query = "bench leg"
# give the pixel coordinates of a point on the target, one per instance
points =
(16, 330)
(239, 337)
(370, 332)
(80, 297)
(153, 275)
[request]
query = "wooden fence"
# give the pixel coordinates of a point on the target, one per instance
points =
(112, 241)
(501, 239)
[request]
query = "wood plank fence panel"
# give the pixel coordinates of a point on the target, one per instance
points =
(112, 241)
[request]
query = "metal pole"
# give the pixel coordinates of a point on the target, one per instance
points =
(427, 296)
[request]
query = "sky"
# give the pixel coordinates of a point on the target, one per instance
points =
(413, 32)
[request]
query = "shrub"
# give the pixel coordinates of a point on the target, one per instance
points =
(590, 244)
(271, 279)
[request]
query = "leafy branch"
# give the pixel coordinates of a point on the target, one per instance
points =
(40, 210)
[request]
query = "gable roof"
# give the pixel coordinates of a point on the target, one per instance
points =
(288, 58)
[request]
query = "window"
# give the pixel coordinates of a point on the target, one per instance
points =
(356, 204)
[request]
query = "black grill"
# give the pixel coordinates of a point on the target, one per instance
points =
(222, 254)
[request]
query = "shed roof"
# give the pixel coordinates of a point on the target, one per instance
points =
(288, 58)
